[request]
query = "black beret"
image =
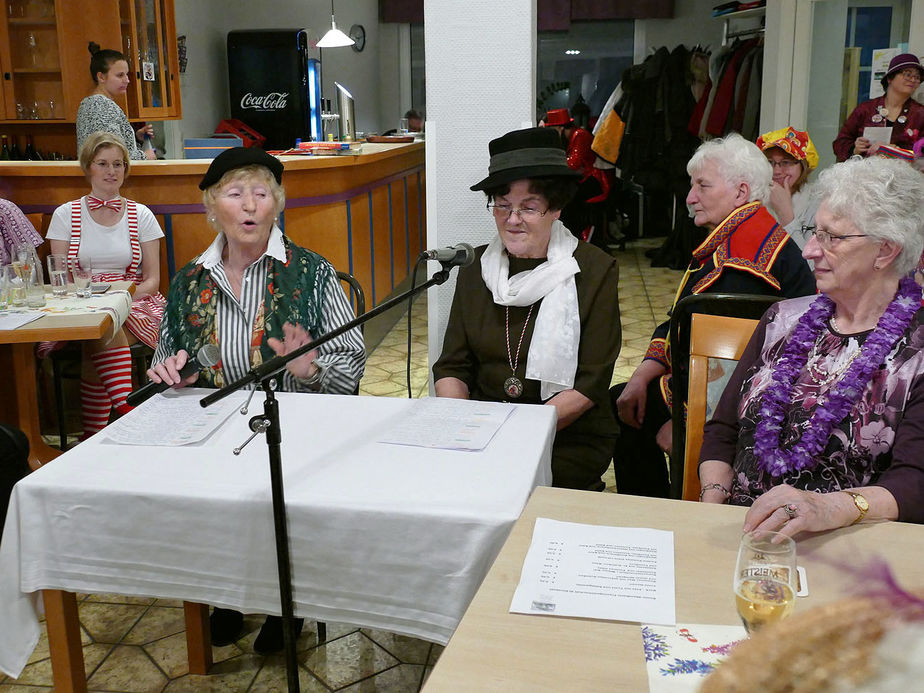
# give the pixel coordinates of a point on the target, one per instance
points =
(239, 157)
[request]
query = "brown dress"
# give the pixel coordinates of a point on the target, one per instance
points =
(475, 352)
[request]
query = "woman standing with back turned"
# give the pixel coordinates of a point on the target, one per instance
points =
(100, 112)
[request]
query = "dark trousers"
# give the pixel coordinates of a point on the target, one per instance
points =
(14, 464)
(639, 464)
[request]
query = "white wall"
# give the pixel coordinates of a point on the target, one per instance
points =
(474, 94)
(206, 23)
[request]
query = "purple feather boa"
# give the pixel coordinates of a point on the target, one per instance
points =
(841, 398)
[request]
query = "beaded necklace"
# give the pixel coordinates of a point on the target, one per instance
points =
(841, 398)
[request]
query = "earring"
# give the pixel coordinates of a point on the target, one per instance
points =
(877, 267)
(211, 218)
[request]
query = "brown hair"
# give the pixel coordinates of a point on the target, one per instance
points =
(102, 58)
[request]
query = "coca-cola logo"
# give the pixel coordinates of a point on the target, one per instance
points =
(273, 101)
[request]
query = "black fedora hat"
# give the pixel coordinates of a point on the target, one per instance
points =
(530, 153)
(238, 157)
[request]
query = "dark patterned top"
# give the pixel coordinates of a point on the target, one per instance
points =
(15, 229)
(879, 443)
(98, 113)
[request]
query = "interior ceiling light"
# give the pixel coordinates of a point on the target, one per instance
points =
(334, 38)
(572, 51)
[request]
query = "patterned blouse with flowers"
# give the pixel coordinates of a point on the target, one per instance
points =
(879, 443)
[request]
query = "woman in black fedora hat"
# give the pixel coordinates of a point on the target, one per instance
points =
(536, 319)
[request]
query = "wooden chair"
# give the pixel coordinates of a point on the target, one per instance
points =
(711, 337)
(748, 306)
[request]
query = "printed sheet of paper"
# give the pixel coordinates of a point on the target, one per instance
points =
(174, 418)
(450, 424)
(680, 657)
(589, 571)
(10, 321)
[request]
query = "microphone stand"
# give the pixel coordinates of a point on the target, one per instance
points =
(265, 375)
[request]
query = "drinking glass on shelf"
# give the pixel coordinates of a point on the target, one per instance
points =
(32, 45)
(765, 578)
(83, 277)
(20, 111)
(52, 109)
(57, 274)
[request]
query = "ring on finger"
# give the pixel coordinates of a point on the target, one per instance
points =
(791, 510)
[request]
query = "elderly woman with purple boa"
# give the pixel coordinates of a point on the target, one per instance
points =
(822, 424)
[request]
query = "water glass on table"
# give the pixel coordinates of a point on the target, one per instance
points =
(57, 274)
(7, 275)
(765, 578)
(83, 277)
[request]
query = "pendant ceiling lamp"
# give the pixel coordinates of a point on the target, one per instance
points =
(334, 38)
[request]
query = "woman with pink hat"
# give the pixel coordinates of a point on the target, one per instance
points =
(793, 157)
(895, 109)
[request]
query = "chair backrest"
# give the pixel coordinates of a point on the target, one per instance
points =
(357, 297)
(748, 306)
(711, 337)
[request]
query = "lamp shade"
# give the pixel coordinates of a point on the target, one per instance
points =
(334, 38)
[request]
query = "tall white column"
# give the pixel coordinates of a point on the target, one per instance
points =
(481, 83)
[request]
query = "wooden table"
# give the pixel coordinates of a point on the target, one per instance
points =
(494, 650)
(17, 356)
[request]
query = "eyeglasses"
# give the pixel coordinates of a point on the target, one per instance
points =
(107, 164)
(826, 239)
(526, 214)
(783, 163)
(911, 74)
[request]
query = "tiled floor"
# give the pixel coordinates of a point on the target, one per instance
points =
(138, 645)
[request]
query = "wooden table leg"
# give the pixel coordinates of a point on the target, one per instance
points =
(198, 637)
(64, 641)
(23, 358)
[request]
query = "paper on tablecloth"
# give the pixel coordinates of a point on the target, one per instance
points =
(173, 418)
(591, 571)
(680, 657)
(450, 424)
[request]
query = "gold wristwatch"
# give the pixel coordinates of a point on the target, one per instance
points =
(861, 503)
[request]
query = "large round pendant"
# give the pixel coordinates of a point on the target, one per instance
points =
(877, 118)
(513, 386)
(902, 119)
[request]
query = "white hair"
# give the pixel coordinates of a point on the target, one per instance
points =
(881, 198)
(738, 161)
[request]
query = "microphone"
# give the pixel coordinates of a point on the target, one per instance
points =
(206, 357)
(461, 254)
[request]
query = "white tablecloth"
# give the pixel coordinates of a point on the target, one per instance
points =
(383, 536)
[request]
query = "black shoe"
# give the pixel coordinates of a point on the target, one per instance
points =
(226, 626)
(270, 638)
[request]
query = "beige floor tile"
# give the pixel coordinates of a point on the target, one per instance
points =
(108, 623)
(231, 676)
(157, 623)
(129, 669)
(408, 650)
(404, 678)
(348, 659)
(119, 599)
(273, 678)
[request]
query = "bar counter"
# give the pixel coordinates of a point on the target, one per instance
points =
(363, 212)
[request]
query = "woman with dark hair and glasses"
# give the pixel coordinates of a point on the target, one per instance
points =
(536, 318)
(822, 423)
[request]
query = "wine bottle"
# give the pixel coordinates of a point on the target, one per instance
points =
(5, 150)
(15, 152)
(31, 153)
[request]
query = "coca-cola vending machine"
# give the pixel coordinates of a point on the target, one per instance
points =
(274, 84)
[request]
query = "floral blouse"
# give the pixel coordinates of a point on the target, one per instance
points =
(880, 442)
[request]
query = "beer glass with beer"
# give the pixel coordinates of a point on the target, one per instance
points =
(765, 578)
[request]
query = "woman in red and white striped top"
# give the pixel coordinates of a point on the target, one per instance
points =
(120, 240)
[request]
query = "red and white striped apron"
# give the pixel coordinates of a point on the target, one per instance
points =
(147, 312)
